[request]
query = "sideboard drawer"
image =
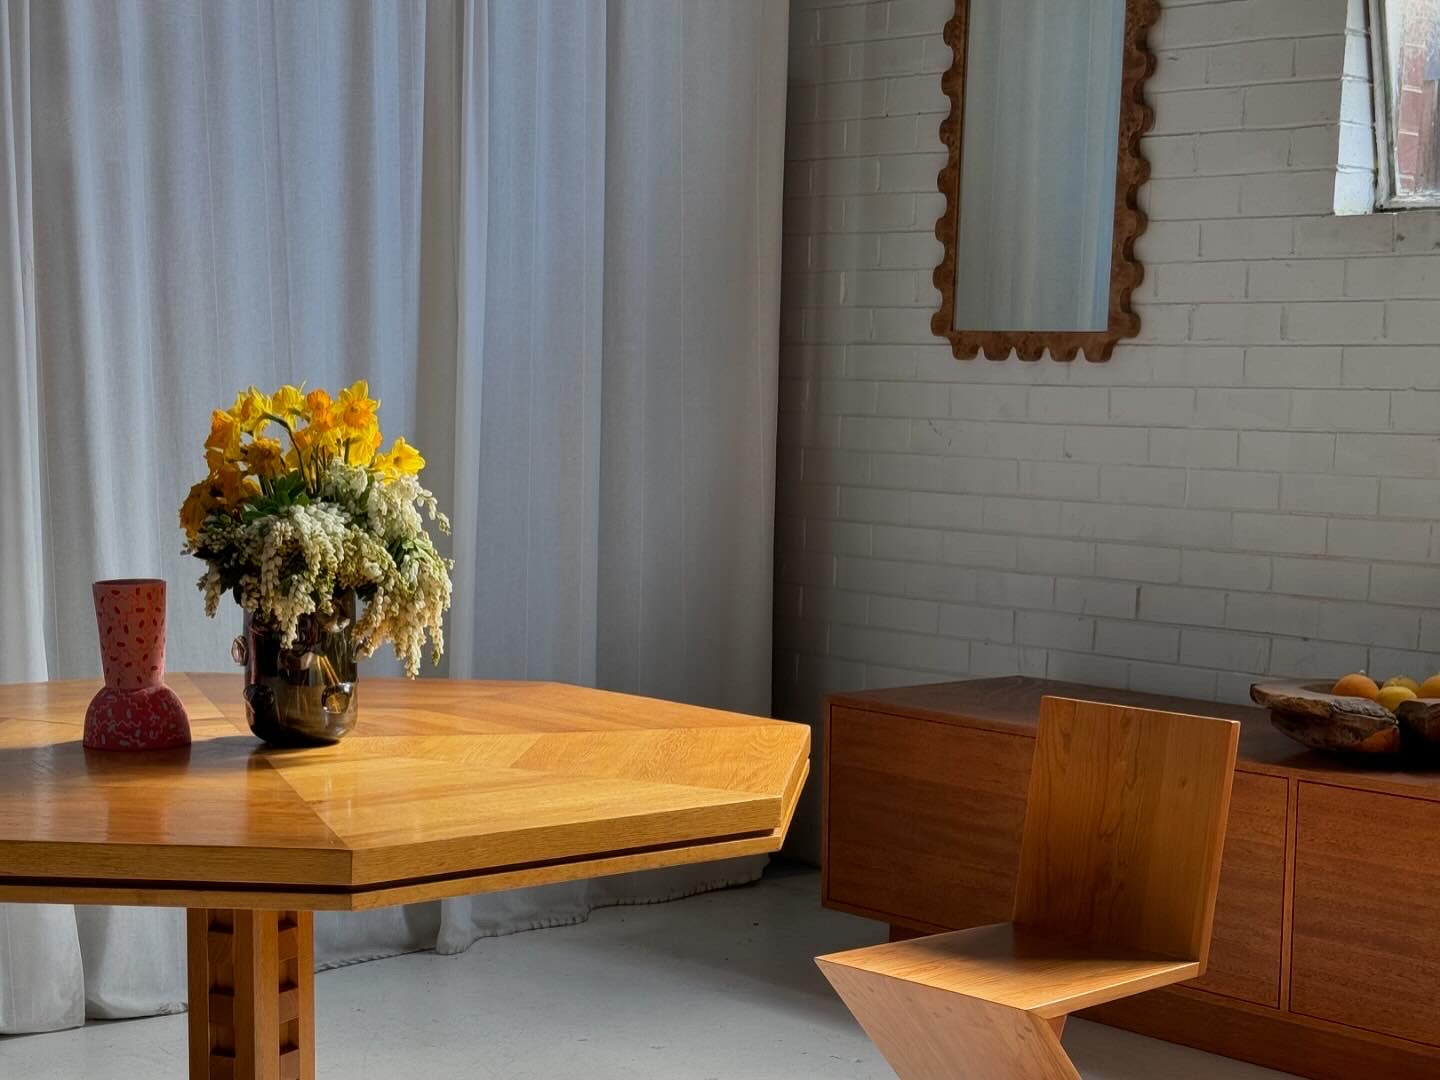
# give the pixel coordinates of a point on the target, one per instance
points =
(926, 828)
(1246, 948)
(1367, 901)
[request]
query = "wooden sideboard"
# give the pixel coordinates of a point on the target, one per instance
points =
(1326, 953)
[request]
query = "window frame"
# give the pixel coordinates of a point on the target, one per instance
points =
(1386, 197)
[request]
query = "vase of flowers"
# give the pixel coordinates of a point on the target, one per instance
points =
(323, 541)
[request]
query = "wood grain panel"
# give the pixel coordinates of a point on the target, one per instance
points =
(445, 786)
(1125, 826)
(64, 702)
(1276, 1040)
(926, 1033)
(408, 707)
(252, 994)
(276, 897)
(1245, 952)
(929, 825)
(1017, 967)
(1012, 704)
(1119, 866)
(1367, 908)
(1366, 897)
(1246, 949)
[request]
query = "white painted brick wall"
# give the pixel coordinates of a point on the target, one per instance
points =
(1248, 488)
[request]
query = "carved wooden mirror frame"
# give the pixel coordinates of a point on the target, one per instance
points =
(1131, 173)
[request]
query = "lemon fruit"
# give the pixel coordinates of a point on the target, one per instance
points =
(1405, 681)
(1391, 696)
(1358, 684)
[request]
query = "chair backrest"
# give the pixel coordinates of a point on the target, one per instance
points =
(1125, 825)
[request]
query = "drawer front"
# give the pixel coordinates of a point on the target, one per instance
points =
(1245, 949)
(924, 819)
(1367, 900)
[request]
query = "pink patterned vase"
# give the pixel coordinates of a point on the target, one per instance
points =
(135, 710)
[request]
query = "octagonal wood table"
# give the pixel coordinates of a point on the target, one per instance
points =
(444, 788)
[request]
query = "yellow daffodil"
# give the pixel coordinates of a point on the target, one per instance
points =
(401, 459)
(324, 432)
(288, 521)
(314, 444)
(322, 436)
(362, 448)
(288, 402)
(224, 442)
(250, 409)
(357, 408)
(198, 505)
(306, 440)
(233, 486)
(264, 457)
(225, 487)
(319, 405)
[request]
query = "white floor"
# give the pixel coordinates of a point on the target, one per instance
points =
(716, 987)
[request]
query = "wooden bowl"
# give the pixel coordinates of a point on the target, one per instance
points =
(1420, 724)
(1314, 717)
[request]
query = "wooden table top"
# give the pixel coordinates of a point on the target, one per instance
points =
(1012, 704)
(444, 788)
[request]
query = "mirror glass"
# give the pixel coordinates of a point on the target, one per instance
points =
(1038, 157)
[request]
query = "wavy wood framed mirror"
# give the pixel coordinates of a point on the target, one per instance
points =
(1047, 108)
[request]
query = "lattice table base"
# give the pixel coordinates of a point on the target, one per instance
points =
(252, 994)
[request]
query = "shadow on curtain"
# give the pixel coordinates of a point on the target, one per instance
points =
(547, 233)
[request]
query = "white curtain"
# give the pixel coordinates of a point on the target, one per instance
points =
(546, 232)
(1037, 168)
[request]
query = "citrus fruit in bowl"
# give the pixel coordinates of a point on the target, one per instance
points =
(1356, 684)
(1391, 696)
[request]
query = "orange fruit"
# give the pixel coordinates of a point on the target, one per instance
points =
(1430, 687)
(1358, 684)
(1391, 696)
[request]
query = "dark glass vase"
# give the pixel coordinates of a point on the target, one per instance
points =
(303, 695)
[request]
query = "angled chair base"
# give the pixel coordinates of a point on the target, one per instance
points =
(929, 1034)
(987, 1003)
(1119, 865)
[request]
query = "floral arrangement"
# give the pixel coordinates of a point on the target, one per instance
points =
(287, 528)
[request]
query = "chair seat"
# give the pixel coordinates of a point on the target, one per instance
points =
(1018, 968)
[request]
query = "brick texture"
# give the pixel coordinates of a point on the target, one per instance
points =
(1248, 488)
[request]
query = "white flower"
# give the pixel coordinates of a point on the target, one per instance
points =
(357, 535)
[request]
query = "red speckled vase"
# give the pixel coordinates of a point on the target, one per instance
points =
(135, 710)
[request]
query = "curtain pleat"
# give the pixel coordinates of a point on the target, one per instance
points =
(548, 235)
(23, 558)
(692, 250)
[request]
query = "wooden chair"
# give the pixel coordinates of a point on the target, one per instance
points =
(1119, 865)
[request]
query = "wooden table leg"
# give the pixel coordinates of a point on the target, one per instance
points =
(252, 994)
